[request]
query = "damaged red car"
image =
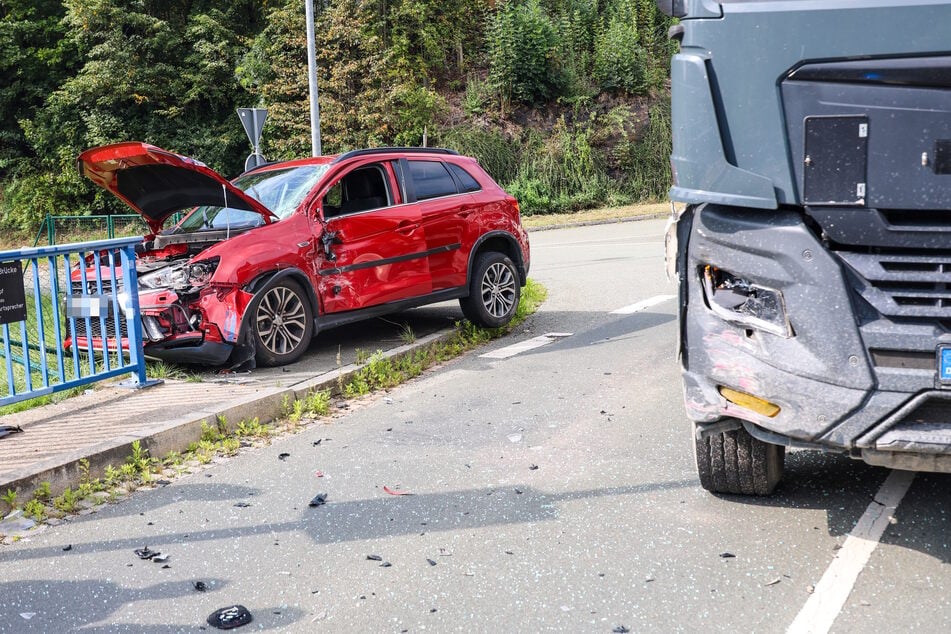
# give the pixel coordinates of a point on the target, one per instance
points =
(261, 264)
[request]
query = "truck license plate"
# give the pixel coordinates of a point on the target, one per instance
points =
(944, 364)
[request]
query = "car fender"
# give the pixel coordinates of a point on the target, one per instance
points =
(244, 351)
(513, 248)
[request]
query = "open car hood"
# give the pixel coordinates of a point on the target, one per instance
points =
(156, 183)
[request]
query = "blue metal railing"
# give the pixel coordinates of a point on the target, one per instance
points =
(83, 295)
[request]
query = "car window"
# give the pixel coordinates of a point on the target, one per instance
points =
(281, 191)
(431, 179)
(469, 184)
(363, 189)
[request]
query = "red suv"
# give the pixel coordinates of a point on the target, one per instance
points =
(260, 265)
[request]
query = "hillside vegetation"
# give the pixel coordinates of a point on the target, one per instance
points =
(563, 101)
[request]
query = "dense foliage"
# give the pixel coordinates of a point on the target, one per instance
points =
(562, 100)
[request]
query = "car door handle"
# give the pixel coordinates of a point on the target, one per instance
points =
(407, 227)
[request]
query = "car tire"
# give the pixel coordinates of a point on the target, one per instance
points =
(282, 323)
(737, 463)
(494, 291)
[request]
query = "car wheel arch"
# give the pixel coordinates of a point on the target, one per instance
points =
(242, 355)
(266, 279)
(500, 241)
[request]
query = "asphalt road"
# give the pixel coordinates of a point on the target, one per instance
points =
(552, 490)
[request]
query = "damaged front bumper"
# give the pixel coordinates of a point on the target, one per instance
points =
(842, 370)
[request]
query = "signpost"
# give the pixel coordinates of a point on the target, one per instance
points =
(253, 121)
(12, 295)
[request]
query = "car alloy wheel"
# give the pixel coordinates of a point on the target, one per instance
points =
(494, 291)
(498, 290)
(282, 324)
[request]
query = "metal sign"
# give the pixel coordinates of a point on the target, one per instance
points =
(12, 295)
(253, 121)
(253, 161)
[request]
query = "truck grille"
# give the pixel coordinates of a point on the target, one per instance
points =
(904, 286)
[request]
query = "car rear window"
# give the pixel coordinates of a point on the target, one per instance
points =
(469, 184)
(431, 179)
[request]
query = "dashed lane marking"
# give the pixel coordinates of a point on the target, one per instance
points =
(524, 346)
(833, 590)
(642, 305)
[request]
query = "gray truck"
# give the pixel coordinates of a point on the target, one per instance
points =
(812, 239)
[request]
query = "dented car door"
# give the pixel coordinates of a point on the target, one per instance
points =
(374, 245)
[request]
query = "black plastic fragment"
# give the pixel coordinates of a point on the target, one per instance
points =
(242, 505)
(374, 558)
(230, 617)
(283, 456)
(145, 553)
(431, 562)
(620, 629)
(533, 467)
(200, 586)
(727, 555)
(6, 430)
(317, 442)
(67, 547)
(386, 564)
(319, 500)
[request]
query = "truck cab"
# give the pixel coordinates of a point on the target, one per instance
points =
(811, 236)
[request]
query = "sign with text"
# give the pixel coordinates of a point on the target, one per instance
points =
(12, 296)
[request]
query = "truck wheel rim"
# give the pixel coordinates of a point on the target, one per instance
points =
(498, 290)
(281, 320)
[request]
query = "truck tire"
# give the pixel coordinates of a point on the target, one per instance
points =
(736, 462)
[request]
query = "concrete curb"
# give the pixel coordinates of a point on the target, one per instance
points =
(64, 472)
(606, 221)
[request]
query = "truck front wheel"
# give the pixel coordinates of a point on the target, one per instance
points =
(736, 462)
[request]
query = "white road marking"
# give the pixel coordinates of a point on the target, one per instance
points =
(579, 243)
(642, 305)
(833, 590)
(524, 346)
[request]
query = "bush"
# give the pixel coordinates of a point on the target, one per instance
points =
(645, 162)
(620, 63)
(524, 51)
(497, 154)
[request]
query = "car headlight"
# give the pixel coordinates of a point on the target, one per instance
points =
(199, 273)
(169, 277)
(740, 301)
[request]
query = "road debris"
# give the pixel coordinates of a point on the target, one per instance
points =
(161, 558)
(727, 555)
(67, 547)
(283, 456)
(430, 562)
(395, 490)
(386, 564)
(27, 615)
(200, 586)
(514, 438)
(146, 553)
(230, 617)
(319, 500)
(374, 558)
(319, 474)
(242, 505)
(773, 582)
(620, 629)
(533, 467)
(317, 442)
(7, 430)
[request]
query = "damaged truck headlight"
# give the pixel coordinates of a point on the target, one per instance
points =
(740, 301)
(199, 273)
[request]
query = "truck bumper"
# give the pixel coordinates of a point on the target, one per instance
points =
(846, 376)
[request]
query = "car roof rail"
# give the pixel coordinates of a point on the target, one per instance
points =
(386, 150)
